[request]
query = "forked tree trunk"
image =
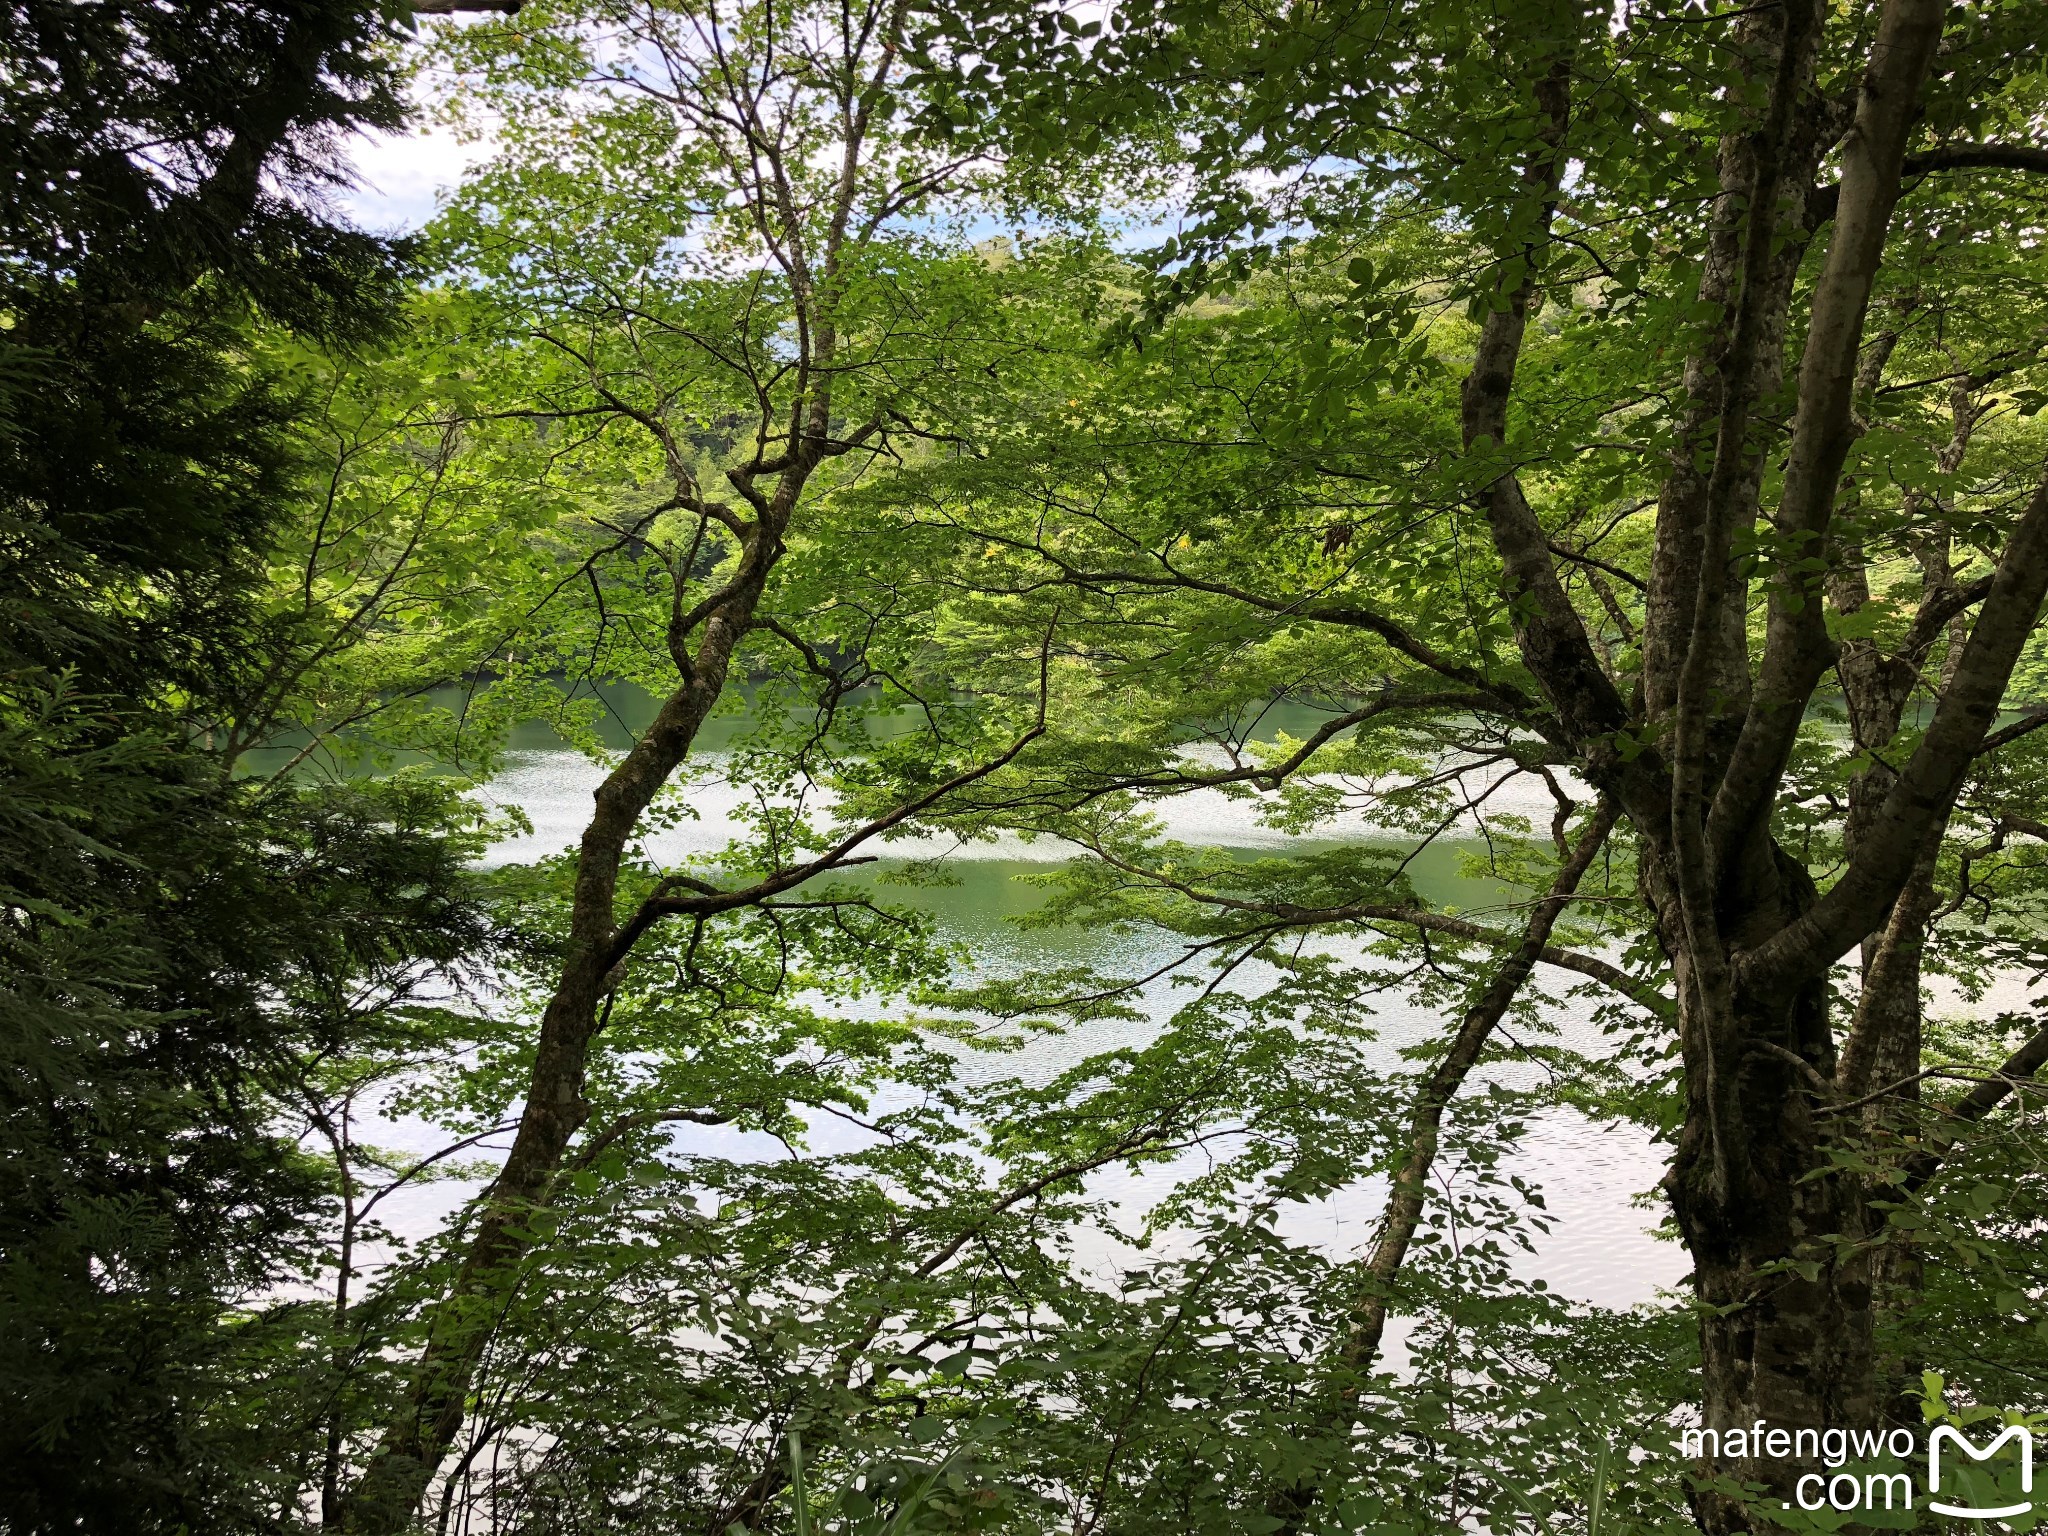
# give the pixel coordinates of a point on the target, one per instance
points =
(1783, 1246)
(1782, 1263)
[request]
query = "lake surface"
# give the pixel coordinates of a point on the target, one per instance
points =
(1601, 1248)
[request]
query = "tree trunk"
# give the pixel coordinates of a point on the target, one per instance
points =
(1786, 1320)
(1889, 1014)
(1882, 1057)
(1408, 1189)
(1786, 1328)
(461, 1323)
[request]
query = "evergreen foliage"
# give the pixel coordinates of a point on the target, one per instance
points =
(176, 944)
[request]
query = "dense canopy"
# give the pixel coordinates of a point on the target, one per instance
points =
(1002, 767)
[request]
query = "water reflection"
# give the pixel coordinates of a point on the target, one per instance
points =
(1600, 1250)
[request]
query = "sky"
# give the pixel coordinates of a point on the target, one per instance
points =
(401, 176)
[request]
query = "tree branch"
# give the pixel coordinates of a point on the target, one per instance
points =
(1548, 628)
(1283, 915)
(1954, 157)
(2018, 1070)
(711, 903)
(1797, 651)
(1921, 796)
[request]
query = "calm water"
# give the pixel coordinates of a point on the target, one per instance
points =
(1600, 1250)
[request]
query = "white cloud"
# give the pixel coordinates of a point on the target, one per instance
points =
(401, 178)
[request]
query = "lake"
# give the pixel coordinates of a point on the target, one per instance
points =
(1601, 1248)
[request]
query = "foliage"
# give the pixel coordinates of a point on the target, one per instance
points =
(358, 1176)
(175, 944)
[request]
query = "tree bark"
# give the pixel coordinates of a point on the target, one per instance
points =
(1786, 1313)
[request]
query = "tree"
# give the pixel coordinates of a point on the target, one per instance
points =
(1686, 314)
(700, 229)
(1528, 429)
(172, 939)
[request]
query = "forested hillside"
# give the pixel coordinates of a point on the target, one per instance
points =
(993, 767)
